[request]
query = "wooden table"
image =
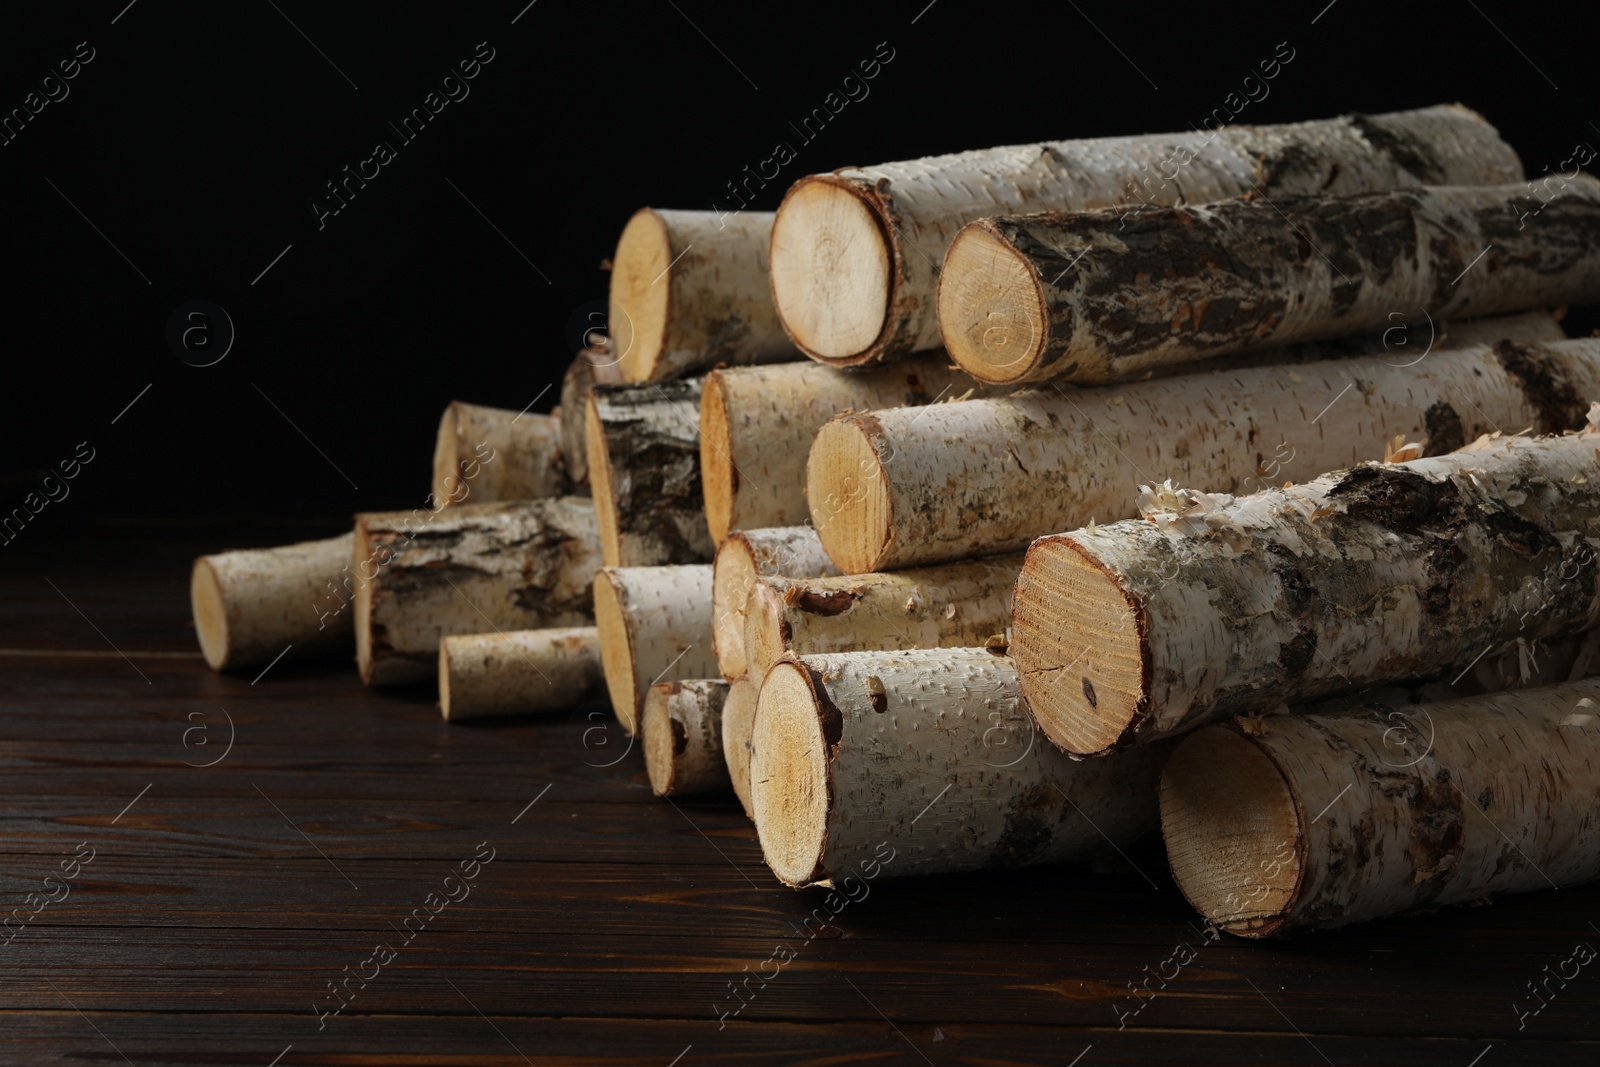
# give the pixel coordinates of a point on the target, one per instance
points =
(223, 901)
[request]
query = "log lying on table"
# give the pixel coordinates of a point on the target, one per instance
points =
(1037, 297)
(485, 676)
(1216, 606)
(856, 254)
(738, 720)
(681, 726)
(689, 290)
(1319, 822)
(253, 604)
(490, 454)
(590, 367)
(421, 576)
(644, 473)
(927, 757)
(785, 551)
(953, 606)
(756, 424)
(655, 626)
(891, 489)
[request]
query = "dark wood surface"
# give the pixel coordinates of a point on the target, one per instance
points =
(223, 900)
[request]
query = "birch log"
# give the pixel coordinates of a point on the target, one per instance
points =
(926, 761)
(690, 290)
(756, 424)
(592, 366)
(1039, 297)
(1214, 606)
(785, 551)
(910, 486)
(421, 576)
(738, 720)
(253, 604)
(856, 254)
(958, 605)
(655, 626)
(490, 454)
(681, 726)
(1322, 821)
(644, 473)
(484, 676)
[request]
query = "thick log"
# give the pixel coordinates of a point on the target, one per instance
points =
(958, 605)
(253, 604)
(784, 551)
(927, 757)
(421, 576)
(487, 455)
(738, 720)
(757, 423)
(655, 626)
(1212, 606)
(590, 367)
(644, 473)
(1027, 298)
(910, 486)
(690, 290)
(484, 676)
(856, 254)
(681, 727)
(1324, 820)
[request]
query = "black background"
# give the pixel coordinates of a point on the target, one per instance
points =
(199, 134)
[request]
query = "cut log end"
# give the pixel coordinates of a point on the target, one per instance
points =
(849, 490)
(210, 614)
(361, 553)
(1066, 604)
(789, 773)
(640, 295)
(616, 650)
(1233, 831)
(831, 274)
(605, 501)
(444, 678)
(992, 311)
(732, 583)
(719, 479)
(663, 738)
(738, 720)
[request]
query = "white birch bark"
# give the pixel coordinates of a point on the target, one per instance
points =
(913, 486)
(1323, 820)
(785, 551)
(655, 626)
(1215, 606)
(421, 576)
(923, 762)
(484, 676)
(484, 455)
(958, 605)
(252, 604)
(856, 253)
(681, 727)
(690, 290)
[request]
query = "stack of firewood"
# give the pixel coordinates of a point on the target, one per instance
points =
(801, 518)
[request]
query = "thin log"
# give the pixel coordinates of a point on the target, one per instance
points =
(785, 551)
(590, 367)
(914, 486)
(738, 720)
(490, 454)
(1213, 606)
(1324, 820)
(924, 762)
(757, 423)
(957, 605)
(1028, 298)
(690, 290)
(484, 676)
(644, 473)
(655, 626)
(681, 727)
(856, 254)
(253, 604)
(421, 576)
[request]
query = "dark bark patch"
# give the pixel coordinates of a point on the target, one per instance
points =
(1398, 499)
(1552, 396)
(1027, 832)
(1415, 156)
(680, 738)
(1518, 534)
(813, 602)
(1443, 428)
